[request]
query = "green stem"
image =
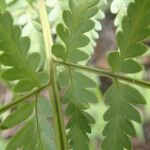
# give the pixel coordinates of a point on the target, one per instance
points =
(106, 73)
(61, 141)
(58, 109)
(21, 99)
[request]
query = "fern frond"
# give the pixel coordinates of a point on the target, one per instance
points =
(120, 97)
(22, 66)
(37, 133)
(78, 96)
(73, 33)
(18, 116)
(135, 29)
(77, 23)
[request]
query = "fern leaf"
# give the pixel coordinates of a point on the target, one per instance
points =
(18, 116)
(78, 94)
(23, 137)
(21, 65)
(135, 29)
(73, 32)
(37, 133)
(123, 98)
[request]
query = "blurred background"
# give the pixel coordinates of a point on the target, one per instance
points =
(107, 22)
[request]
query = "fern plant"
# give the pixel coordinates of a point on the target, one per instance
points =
(40, 118)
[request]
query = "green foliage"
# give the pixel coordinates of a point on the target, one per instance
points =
(22, 66)
(37, 132)
(135, 29)
(125, 66)
(121, 97)
(78, 94)
(72, 34)
(19, 116)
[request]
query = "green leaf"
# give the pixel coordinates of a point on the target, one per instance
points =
(25, 136)
(58, 50)
(12, 74)
(24, 86)
(44, 107)
(79, 139)
(63, 32)
(38, 133)
(77, 55)
(76, 24)
(23, 66)
(133, 50)
(83, 81)
(63, 79)
(75, 36)
(86, 25)
(129, 66)
(18, 116)
(113, 60)
(78, 96)
(135, 28)
(121, 98)
(43, 77)
(45, 129)
(132, 95)
(33, 60)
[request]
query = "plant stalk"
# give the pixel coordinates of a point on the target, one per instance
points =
(60, 136)
(106, 73)
(58, 109)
